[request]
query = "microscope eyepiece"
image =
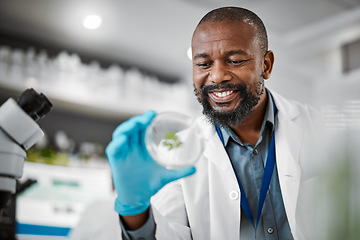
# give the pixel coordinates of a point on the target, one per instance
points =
(34, 104)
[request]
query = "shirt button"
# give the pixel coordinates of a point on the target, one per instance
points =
(270, 230)
(234, 195)
(256, 152)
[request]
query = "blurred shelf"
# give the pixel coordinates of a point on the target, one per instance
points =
(102, 105)
(61, 101)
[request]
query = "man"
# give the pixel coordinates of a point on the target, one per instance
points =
(247, 182)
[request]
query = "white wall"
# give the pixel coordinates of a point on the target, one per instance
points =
(308, 61)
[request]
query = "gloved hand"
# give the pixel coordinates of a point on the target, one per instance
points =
(136, 176)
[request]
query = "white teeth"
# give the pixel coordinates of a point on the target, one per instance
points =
(223, 94)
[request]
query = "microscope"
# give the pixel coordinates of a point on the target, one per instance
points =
(18, 132)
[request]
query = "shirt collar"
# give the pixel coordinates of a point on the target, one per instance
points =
(268, 118)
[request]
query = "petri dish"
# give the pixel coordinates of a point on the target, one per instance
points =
(173, 141)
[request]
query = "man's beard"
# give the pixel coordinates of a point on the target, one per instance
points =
(233, 117)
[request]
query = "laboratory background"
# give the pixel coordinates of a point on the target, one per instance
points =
(102, 62)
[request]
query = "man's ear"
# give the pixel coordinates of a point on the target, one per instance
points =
(268, 64)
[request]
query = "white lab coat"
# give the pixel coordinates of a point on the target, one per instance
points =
(206, 205)
(209, 201)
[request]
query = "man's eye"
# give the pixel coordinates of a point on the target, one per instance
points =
(203, 65)
(236, 62)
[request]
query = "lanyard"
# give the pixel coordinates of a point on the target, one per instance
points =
(269, 168)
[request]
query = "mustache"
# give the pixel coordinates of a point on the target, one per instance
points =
(227, 86)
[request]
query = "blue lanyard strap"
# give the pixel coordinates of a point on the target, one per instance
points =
(269, 168)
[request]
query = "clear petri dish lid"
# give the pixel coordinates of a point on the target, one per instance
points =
(172, 140)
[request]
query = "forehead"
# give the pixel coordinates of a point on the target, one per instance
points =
(225, 34)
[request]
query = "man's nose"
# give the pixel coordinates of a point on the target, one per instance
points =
(219, 73)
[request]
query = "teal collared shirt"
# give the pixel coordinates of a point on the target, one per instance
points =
(248, 162)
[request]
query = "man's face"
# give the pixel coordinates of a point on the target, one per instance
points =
(227, 70)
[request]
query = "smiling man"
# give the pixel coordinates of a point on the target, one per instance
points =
(230, 64)
(247, 182)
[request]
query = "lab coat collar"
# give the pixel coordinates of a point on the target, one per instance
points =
(214, 149)
(286, 112)
(288, 141)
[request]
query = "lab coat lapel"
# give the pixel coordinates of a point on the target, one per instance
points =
(288, 140)
(225, 217)
(215, 151)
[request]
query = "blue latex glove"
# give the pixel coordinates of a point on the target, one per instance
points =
(136, 175)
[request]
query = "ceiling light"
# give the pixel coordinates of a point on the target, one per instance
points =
(92, 22)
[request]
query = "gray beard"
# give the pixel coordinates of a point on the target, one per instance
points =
(235, 116)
